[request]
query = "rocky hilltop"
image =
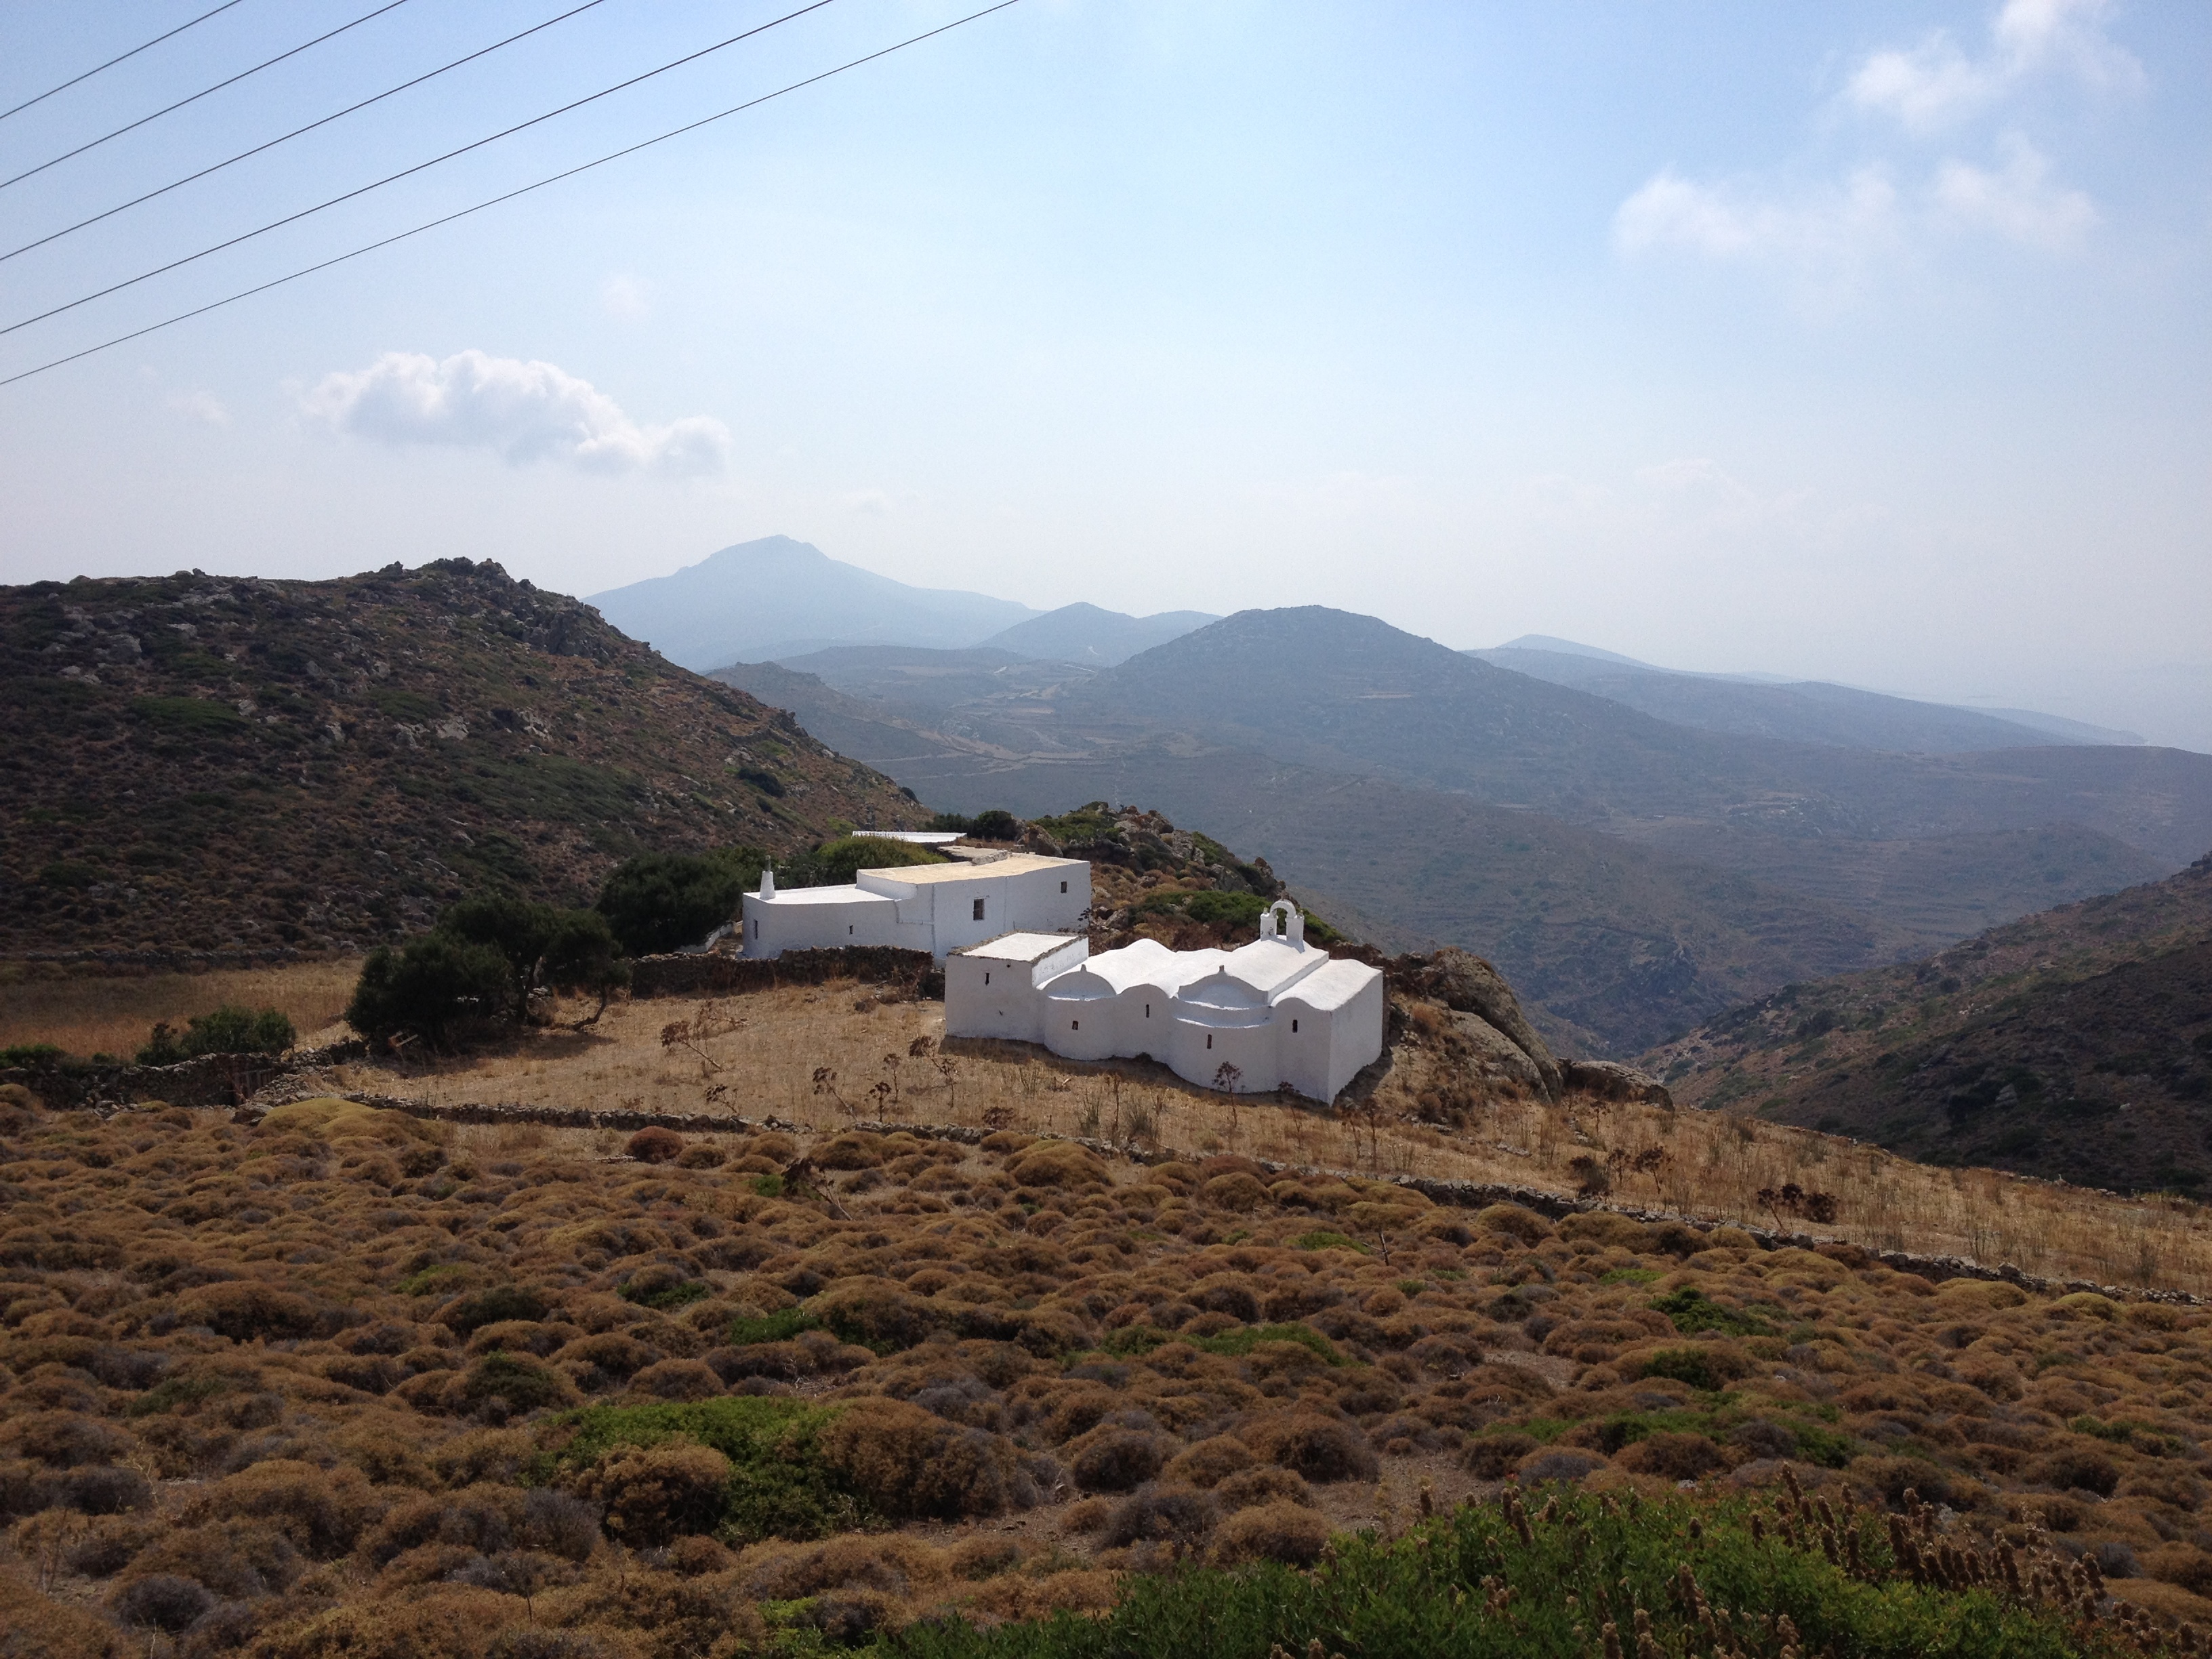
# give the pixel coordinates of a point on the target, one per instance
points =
(216, 766)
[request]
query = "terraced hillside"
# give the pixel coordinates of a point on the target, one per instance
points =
(200, 765)
(336, 1380)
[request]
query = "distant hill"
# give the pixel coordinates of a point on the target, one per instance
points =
(1096, 638)
(1634, 876)
(2075, 1044)
(777, 597)
(1809, 711)
(210, 764)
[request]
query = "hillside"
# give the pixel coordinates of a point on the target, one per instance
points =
(2076, 1044)
(332, 1379)
(1095, 637)
(1798, 711)
(777, 597)
(205, 765)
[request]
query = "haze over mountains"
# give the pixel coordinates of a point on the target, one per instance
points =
(775, 597)
(1638, 850)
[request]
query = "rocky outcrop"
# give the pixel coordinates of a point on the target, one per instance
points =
(1466, 984)
(1609, 1079)
(1495, 1057)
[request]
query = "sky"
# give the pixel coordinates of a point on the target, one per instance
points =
(1869, 344)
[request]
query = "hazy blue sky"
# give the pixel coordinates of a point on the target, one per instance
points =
(1868, 341)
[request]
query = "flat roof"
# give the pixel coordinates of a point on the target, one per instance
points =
(1269, 964)
(1022, 947)
(923, 875)
(848, 895)
(916, 837)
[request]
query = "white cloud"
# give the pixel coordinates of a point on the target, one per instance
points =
(1836, 226)
(625, 296)
(522, 411)
(2017, 201)
(202, 406)
(1935, 83)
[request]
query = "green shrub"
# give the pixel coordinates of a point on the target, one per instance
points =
(779, 1485)
(1241, 1341)
(1421, 1597)
(659, 902)
(31, 1054)
(187, 715)
(834, 862)
(481, 964)
(778, 1327)
(1692, 1312)
(1323, 1239)
(227, 1030)
(1692, 1365)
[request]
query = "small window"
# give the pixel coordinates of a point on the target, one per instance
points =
(1209, 1039)
(849, 930)
(1075, 1025)
(1148, 1011)
(1294, 1028)
(979, 909)
(986, 976)
(1063, 887)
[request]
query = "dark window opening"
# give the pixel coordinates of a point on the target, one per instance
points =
(1063, 887)
(986, 976)
(979, 909)
(1294, 1028)
(1075, 1025)
(1209, 1039)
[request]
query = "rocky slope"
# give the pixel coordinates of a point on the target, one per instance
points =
(2076, 1043)
(210, 765)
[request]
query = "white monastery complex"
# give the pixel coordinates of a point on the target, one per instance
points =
(1275, 1011)
(1009, 929)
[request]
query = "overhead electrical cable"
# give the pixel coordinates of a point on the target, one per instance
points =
(113, 61)
(132, 126)
(350, 109)
(492, 202)
(409, 172)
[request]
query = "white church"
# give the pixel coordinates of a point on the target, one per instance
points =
(1272, 1012)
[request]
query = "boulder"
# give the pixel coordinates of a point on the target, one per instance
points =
(1466, 984)
(1609, 1079)
(1497, 1058)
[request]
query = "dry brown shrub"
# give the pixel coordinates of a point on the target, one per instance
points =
(482, 1455)
(244, 1310)
(847, 1152)
(1208, 1462)
(654, 1494)
(1017, 1596)
(892, 1564)
(1321, 1448)
(655, 1144)
(62, 1440)
(984, 1555)
(1266, 1485)
(700, 1155)
(236, 1560)
(1115, 1459)
(1057, 1163)
(1236, 1191)
(444, 1621)
(321, 1512)
(37, 1626)
(678, 1379)
(1673, 1456)
(696, 1553)
(1513, 1222)
(2076, 1467)
(2181, 1563)
(1283, 1531)
(483, 1517)
(909, 1462)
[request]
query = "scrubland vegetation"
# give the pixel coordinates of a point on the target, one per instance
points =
(86, 1014)
(826, 1055)
(333, 1380)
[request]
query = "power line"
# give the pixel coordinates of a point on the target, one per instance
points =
(553, 179)
(405, 172)
(113, 61)
(132, 126)
(243, 154)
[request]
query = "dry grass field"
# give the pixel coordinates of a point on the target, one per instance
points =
(113, 1014)
(339, 1381)
(827, 1055)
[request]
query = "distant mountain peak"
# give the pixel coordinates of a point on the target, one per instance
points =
(1570, 649)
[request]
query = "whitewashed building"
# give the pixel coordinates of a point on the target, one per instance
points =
(1276, 1010)
(937, 907)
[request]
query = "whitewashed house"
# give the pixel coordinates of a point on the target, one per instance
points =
(937, 907)
(1276, 1010)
